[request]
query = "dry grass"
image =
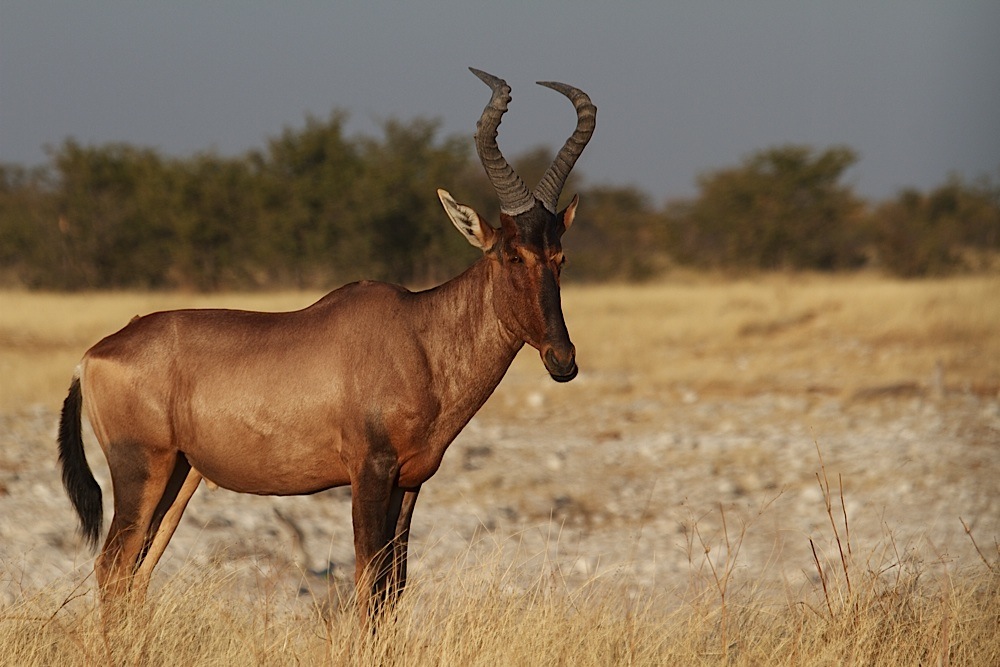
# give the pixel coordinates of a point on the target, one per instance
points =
(780, 333)
(792, 333)
(864, 608)
(863, 604)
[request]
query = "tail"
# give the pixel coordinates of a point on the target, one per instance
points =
(82, 488)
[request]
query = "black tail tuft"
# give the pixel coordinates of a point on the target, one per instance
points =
(83, 490)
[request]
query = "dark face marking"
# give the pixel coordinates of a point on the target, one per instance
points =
(530, 251)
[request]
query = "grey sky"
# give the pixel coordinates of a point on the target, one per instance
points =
(681, 88)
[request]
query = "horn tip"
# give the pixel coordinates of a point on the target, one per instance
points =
(487, 78)
(564, 88)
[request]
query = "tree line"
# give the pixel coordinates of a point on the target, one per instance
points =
(315, 208)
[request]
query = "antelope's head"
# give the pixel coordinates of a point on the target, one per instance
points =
(526, 250)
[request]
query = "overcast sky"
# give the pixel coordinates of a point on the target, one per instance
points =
(681, 88)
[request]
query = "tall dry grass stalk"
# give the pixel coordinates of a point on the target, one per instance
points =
(866, 606)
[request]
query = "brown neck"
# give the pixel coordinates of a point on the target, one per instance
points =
(467, 347)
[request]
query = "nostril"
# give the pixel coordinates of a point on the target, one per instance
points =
(564, 364)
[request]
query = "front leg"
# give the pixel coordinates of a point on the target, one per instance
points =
(371, 505)
(401, 512)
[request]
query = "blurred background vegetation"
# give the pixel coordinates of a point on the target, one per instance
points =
(316, 208)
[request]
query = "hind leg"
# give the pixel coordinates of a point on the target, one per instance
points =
(139, 478)
(183, 483)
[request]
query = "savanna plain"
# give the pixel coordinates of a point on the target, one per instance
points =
(780, 470)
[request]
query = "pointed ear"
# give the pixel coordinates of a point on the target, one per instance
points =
(568, 214)
(473, 228)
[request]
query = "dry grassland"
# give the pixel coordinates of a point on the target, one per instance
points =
(477, 617)
(698, 398)
(793, 334)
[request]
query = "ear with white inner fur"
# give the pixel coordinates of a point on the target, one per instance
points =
(467, 221)
(569, 213)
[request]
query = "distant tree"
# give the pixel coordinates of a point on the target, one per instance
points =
(114, 204)
(31, 251)
(782, 208)
(617, 236)
(309, 232)
(316, 208)
(955, 226)
(409, 238)
(214, 218)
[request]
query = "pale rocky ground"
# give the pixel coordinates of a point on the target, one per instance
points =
(611, 489)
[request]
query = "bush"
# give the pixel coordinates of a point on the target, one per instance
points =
(954, 227)
(783, 208)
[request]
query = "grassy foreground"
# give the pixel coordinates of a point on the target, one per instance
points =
(861, 612)
(864, 604)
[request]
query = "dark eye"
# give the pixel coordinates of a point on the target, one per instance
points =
(514, 258)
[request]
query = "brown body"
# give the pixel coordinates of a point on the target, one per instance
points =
(283, 392)
(366, 387)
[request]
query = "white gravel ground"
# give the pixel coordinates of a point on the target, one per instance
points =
(623, 490)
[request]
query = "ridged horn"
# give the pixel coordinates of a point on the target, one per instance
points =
(551, 185)
(514, 196)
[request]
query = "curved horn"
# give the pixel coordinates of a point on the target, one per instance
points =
(514, 196)
(551, 185)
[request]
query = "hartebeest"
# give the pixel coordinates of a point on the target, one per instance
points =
(367, 387)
